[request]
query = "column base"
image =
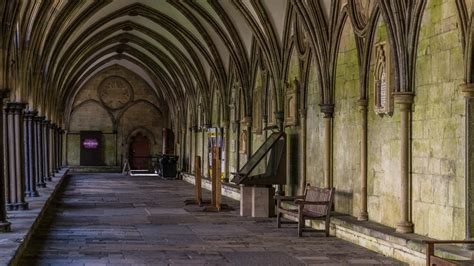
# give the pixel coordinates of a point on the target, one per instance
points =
(17, 206)
(32, 194)
(363, 216)
(49, 178)
(404, 227)
(5, 227)
(42, 185)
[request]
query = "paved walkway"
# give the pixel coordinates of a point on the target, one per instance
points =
(109, 219)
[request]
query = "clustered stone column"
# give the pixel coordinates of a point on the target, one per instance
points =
(4, 224)
(39, 151)
(29, 139)
(52, 156)
(14, 163)
(328, 110)
(405, 100)
(467, 91)
(45, 135)
(302, 151)
(363, 215)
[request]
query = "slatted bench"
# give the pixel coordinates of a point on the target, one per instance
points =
(432, 259)
(315, 204)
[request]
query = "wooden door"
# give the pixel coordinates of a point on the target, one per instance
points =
(140, 152)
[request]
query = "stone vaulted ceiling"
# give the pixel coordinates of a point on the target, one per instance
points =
(184, 49)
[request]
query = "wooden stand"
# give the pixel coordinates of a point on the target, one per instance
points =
(216, 181)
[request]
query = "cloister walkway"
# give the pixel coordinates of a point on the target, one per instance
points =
(110, 219)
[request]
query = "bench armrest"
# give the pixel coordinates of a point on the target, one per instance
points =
(287, 198)
(448, 241)
(303, 202)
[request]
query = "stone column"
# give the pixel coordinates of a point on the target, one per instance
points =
(14, 156)
(66, 134)
(4, 224)
(328, 110)
(29, 156)
(302, 183)
(52, 150)
(61, 145)
(46, 151)
(405, 100)
(39, 152)
(363, 215)
(468, 92)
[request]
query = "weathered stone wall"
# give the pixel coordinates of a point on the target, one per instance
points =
(438, 126)
(141, 114)
(314, 131)
(346, 127)
(383, 177)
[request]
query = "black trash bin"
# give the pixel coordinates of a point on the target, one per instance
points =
(168, 166)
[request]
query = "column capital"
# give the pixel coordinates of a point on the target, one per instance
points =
(363, 104)
(403, 97)
(327, 109)
(246, 121)
(467, 90)
(30, 114)
(39, 118)
(46, 121)
(14, 107)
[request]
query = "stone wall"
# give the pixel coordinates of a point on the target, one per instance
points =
(141, 113)
(438, 126)
(346, 127)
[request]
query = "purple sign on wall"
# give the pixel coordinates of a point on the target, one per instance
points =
(90, 143)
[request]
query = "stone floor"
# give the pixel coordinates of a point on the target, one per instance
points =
(109, 219)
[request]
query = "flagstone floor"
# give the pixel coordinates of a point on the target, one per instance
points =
(110, 219)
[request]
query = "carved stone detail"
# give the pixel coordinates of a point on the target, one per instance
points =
(115, 92)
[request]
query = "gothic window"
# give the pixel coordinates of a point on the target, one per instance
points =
(383, 94)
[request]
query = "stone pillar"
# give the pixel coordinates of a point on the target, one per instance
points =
(65, 136)
(39, 152)
(29, 156)
(468, 92)
(61, 146)
(363, 215)
(46, 170)
(4, 224)
(279, 119)
(328, 110)
(302, 183)
(52, 150)
(14, 156)
(405, 100)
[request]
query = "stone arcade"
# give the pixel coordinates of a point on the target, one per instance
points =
(375, 98)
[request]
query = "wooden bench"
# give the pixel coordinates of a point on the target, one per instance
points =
(315, 204)
(432, 259)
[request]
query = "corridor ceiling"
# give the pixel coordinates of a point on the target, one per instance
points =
(184, 49)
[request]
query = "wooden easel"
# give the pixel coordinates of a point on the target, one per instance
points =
(216, 178)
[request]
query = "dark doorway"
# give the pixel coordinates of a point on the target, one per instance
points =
(140, 152)
(91, 148)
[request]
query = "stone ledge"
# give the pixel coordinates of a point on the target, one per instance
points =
(24, 223)
(94, 169)
(408, 248)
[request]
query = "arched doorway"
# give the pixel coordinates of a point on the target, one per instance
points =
(139, 152)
